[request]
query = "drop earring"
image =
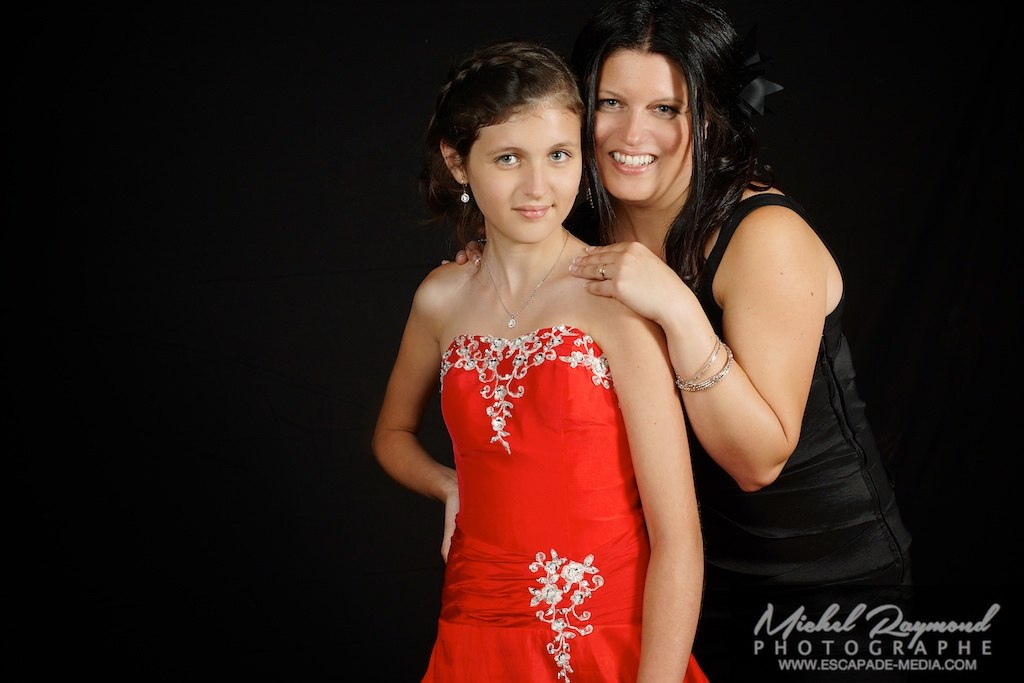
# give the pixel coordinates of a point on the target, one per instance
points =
(465, 194)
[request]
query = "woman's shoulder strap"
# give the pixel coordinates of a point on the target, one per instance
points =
(741, 211)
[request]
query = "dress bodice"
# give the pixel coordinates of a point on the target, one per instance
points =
(539, 442)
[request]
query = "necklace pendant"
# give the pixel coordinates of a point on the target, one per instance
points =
(511, 323)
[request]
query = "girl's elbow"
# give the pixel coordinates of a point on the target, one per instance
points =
(378, 445)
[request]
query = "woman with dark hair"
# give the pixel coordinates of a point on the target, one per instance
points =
(791, 484)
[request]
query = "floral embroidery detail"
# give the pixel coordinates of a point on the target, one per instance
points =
(597, 364)
(484, 354)
(564, 620)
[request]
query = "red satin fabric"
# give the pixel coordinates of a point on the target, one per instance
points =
(549, 503)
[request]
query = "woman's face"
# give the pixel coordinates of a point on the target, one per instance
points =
(642, 133)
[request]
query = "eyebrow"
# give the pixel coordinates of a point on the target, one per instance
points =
(608, 93)
(507, 149)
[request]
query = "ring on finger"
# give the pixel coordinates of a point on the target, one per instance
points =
(600, 271)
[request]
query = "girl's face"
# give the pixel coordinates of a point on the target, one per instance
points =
(524, 173)
(642, 137)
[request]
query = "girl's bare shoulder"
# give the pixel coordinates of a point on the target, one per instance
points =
(446, 281)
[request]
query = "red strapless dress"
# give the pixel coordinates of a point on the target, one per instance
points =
(544, 580)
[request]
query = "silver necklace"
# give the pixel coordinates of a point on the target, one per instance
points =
(512, 316)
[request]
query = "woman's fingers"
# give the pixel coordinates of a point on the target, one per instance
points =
(470, 253)
(474, 251)
(594, 266)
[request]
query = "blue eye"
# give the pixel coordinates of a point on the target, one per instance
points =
(667, 111)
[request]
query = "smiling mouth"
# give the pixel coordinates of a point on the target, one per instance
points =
(633, 160)
(533, 211)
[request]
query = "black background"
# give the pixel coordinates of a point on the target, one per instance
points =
(213, 237)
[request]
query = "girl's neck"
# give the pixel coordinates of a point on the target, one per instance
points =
(517, 265)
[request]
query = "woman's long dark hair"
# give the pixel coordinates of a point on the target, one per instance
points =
(700, 40)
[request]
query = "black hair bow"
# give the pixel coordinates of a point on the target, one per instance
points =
(757, 87)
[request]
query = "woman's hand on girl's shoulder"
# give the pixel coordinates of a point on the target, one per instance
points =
(471, 253)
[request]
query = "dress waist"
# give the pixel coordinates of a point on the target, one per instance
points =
(487, 583)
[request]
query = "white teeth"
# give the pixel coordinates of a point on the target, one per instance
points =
(630, 160)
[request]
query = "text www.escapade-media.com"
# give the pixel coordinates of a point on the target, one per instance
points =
(861, 664)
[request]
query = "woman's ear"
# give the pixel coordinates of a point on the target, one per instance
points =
(454, 162)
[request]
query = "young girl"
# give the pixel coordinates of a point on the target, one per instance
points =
(560, 405)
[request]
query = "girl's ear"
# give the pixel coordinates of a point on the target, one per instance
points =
(454, 162)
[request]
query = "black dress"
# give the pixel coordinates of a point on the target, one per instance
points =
(826, 531)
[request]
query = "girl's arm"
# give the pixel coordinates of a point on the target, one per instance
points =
(642, 376)
(395, 442)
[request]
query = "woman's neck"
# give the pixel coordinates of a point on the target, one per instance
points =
(645, 225)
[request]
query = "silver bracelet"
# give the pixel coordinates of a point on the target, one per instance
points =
(694, 385)
(714, 355)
